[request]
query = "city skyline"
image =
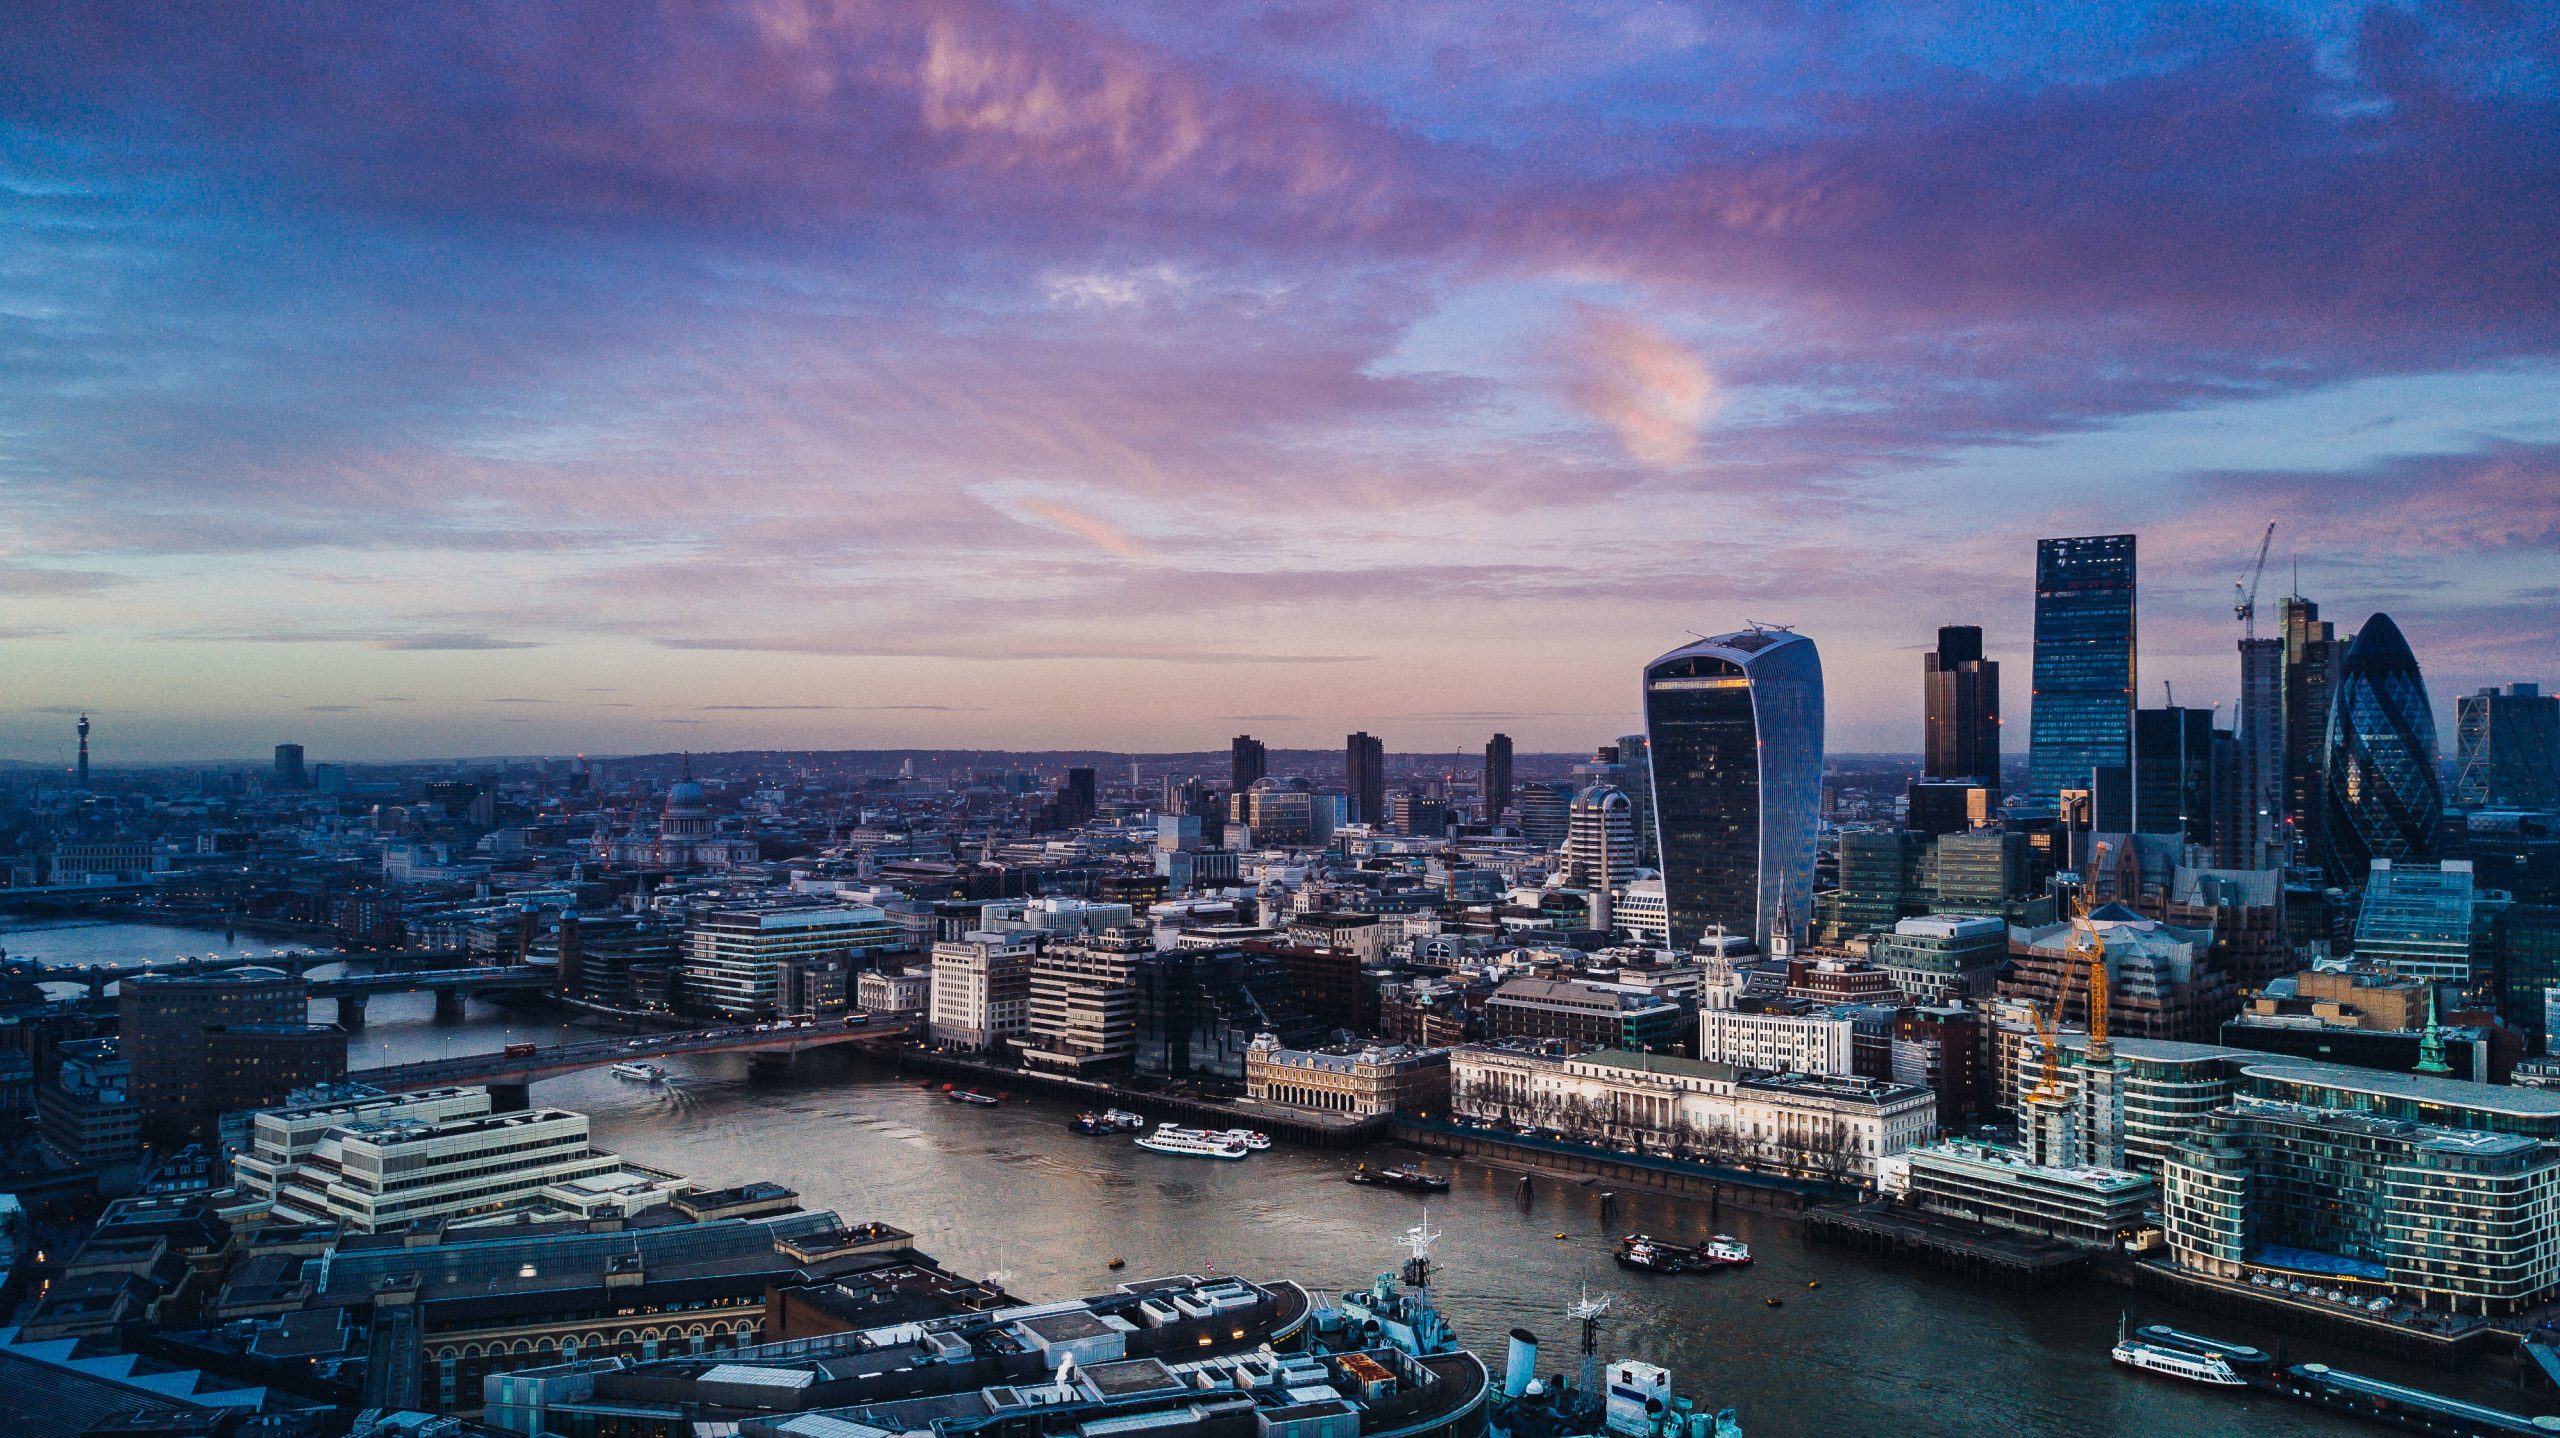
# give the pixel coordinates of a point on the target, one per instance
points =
(963, 375)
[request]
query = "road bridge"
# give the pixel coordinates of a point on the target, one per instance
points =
(507, 1073)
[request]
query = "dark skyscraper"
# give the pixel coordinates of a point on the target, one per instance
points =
(1960, 707)
(1733, 726)
(2173, 778)
(1364, 777)
(2381, 798)
(1247, 760)
(2310, 672)
(289, 773)
(2081, 718)
(83, 781)
(1078, 800)
(2507, 749)
(2254, 836)
(1497, 777)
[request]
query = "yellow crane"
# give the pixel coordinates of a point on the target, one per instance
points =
(2086, 938)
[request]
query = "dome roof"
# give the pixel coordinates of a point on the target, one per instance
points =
(2380, 648)
(685, 794)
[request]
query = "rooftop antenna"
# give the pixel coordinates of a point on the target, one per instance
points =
(1586, 1311)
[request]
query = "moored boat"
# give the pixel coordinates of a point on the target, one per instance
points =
(1411, 1178)
(1660, 1255)
(970, 1095)
(1190, 1144)
(2210, 1369)
(2240, 1356)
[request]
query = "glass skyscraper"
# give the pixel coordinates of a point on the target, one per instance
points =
(1733, 727)
(2082, 714)
(2380, 795)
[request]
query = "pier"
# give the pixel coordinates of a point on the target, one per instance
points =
(1581, 1163)
(2019, 1260)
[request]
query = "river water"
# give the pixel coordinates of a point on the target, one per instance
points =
(1876, 1348)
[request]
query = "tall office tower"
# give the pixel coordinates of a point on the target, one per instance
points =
(2311, 651)
(83, 781)
(1078, 800)
(1364, 777)
(2380, 796)
(1546, 813)
(2254, 837)
(2082, 715)
(2507, 749)
(1497, 777)
(1960, 708)
(1635, 765)
(289, 773)
(1247, 760)
(1734, 727)
(1600, 839)
(2173, 779)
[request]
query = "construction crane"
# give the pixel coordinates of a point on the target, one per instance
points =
(2087, 938)
(2048, 1027)
(2245, 602)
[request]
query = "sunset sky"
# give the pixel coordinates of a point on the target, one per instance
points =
(472, 379)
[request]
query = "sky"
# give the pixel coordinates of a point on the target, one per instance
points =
(611, 377)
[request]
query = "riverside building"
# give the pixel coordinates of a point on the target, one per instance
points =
(734, 958)
(1366, 1082)
(1733, 728)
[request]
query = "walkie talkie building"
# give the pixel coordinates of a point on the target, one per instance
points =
(1734, 726)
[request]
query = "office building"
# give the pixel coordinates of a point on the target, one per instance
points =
(1247, 760)
(1733, 725)
(1960, 711)
(2380, 795)
(1934, 806)
(1943, 958)
(1778, 1036)
(1546, 814)
(1585, 1015)
(1600, 843)
(1281, 812)
(2173, 773)
(2528, 938)
(87, 1116)
(385, 1162)
(2092, 1206)
(1635, 776)
(167, 1023)
(1497, 777)
(1644, 916)
(2311, 654)
(2418, 920)
(2255, 837)
(1082, 1009)
(1366, 1081)
(1364, 777)
(2162, 982)
(2507, 749)
(733, 958)
(288, 770)
(1417, 816)
(981, 993)
(2080, 719)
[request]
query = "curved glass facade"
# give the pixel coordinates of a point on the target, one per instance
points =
(2381, 798)
(1734, 729)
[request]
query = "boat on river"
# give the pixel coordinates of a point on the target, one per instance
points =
(639, 1072)
(1649, 1254)
(1410, 1177)
(1191, 1144)
(970, 1095)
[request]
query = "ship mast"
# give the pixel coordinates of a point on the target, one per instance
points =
(1587, 1312)
(1417, 1242)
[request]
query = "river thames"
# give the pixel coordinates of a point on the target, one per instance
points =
(1875, 1348)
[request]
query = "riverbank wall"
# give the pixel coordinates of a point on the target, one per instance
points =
(1709, 1185)
(1309, 1129)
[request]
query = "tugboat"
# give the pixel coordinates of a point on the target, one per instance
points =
(1089, 1123)
(1657, 1255)
(1635, 1402)
(1409, 1177)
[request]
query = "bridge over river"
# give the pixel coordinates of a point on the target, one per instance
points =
(508, 1071)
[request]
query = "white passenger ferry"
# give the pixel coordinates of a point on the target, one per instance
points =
(1191, 1144)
